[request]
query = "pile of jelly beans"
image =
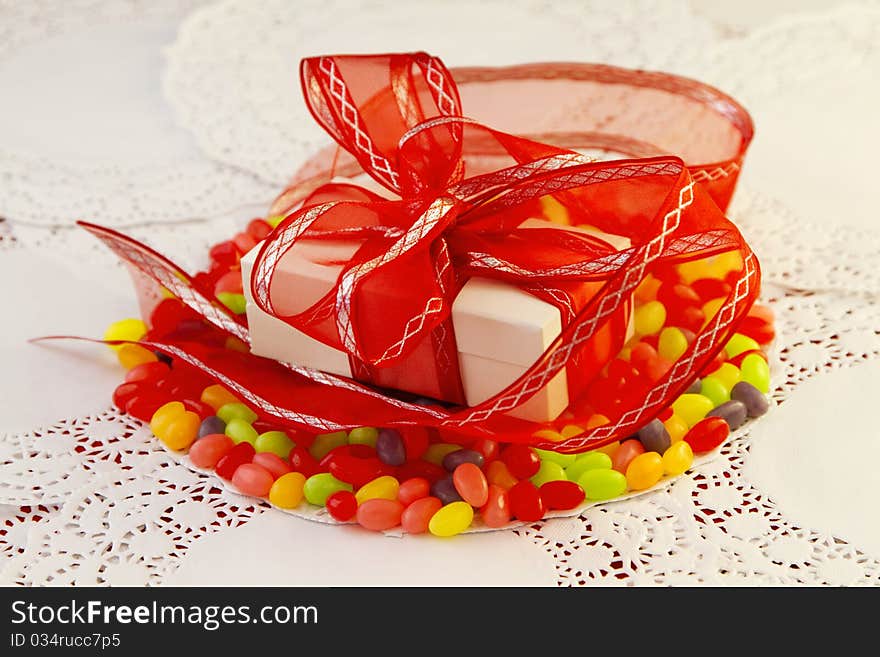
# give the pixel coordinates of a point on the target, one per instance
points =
(409, 479)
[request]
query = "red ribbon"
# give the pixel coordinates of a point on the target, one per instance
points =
(464, 189)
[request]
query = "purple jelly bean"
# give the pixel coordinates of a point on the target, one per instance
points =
(444, 490)
(390, 447)
(454, 459)
(654, 437)
(733, 412)
(755, 401)
(695, 388)
(211, 424)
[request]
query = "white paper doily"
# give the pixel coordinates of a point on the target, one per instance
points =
(84, 135)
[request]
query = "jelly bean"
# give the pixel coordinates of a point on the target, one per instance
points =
(143, 404)
(208, 450)
(320, 486)
(588, 461)
(691, 320)
(326, 442)
(424, 469)
(711, 307)
(228, 412)
(665, 414)
(675, 297)
(488, 448)
(224, 254)
(678, 458)
(647, 289)
(302, 461)
(649, 318)
(379, 514)
(244, 242)
(252, 479)
(710, 288)
(356, 468)
(125, 329)
(728, 374)
(241, 431)
(276, 466)
(275, 220)
(564, 460)
(718, 360)
(733, 412)
(644, 471)
(132, 355)
(228, 464)
(229, 282)
(258, 229)
(147, 372)
(628, 450)
(164, 416)
(216, 396)
(707, 434)
(739, 358)
(673, 343)
(525, 502)
(471, 484)
(609, 449)
(695, 387)
(276, 442)
(413, 489)
(597, 420)
(676, 428)
(123, 393)
(287, 491)
(521, 460)
(739, 343)
(236, 303)
(602, 484)
(755, 402)
(451, 519)
(714, 389)
(642, 354)
(549, 435)
(496, 511)
(342, 505)
(692, 408)
(757, 329)
(417, 515)
(438, 451)
(390, 447)
(756, 371)
(197, 407)
(654, 437)
(445, 491)
(415, 442)
(498, 474)
(363, 436)
(385, 487)
(454, 459)
(562, 495)
(548, 471)
(182, 431)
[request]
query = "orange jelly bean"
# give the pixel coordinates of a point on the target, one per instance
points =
(216, 396)
(471, 484)
(623, 455)
(253, 479)
(416, 516)
(413, 489)
(205, 452)
(379, 514)
(496, 511)
(644, 471)
(498, 474)
(132, 355)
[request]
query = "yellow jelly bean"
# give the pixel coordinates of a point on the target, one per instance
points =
(724, 263)
(274, 221)
(676, 427)
(132, 355)
(672, 343)
(677, 458)
(182, 431)
(125, 329)
(610, 448)
(164, 416)
(692, 408)
(647, 289)
(649, 318)
(549, 435)
(385, 488)
(435, 453)
(738, 343)
(363, 436)
(216, 396)
(695, 269)
(644, 471)
(597, 420)
(711, 308)
(287, 491)
(570, 431)
(728, 374)
(451, 519)
(326, 442)
(554, 210)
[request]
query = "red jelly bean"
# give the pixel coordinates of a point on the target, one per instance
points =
(229, 282)
(641, 354)
(707, 434)
(238, 455)
(415, 442)
(655, 369)
(626, 452)
(224, 254)
(562, 494)
(471, 484)
(488, 448)
(147, 372)
(379, 514)
(416, 516)
(691, 319)
(342, 505)
(354, 464)
(303, 462)
(738, 359)
(757, 328)
(525, 502)
(251, 479)
(244, 242)
(123, 393)
(145, 402)
(413, 489)
(710, 288)
(199, 408)
(430, 471)
(273, 463)
(258, 229)
(676, 297)
(496, 511)
(207, 451)
(521, 460)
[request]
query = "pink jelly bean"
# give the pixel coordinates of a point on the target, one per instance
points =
(273, 463)
(205, 452)
(471, 484)
(252, 479)
(413, 489)
(496, 511)
(379, 514)
(416, 516)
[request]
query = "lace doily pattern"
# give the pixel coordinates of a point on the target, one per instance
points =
(44, 188)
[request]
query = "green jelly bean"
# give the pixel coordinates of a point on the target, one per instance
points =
(321, 486)
(327, 441)
(740, 343)
(756, 371)
(588, 461)
(236, 303)
(241, 431)
(276, 442)
(715, 390)
(564, 460)
(363, 436)
(234, 410)
(692, 408)
(602, 484)
(549, 471)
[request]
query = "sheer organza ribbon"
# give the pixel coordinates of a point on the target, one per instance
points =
(459, 191)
